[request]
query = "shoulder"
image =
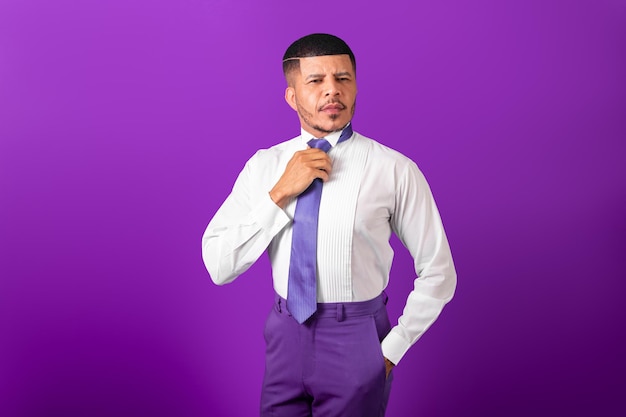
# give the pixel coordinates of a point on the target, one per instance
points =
(276, 153)
(385, 156)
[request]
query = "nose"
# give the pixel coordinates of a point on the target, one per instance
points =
(332, 88)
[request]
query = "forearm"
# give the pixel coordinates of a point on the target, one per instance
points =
(237, 237)
(420, 312)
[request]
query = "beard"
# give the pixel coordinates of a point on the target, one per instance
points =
(307, 117)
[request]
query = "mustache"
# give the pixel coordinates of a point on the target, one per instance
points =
(334, 101)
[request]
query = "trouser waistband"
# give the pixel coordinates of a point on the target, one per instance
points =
(340, 310)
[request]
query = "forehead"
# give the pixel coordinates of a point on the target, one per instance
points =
(326, 64)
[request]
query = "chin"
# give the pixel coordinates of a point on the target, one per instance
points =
(338, 122)
(335, 127)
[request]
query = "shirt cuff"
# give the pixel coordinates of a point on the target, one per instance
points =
(394, 347)
(270, 216)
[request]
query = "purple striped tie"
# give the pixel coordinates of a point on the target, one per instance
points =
(302, 287)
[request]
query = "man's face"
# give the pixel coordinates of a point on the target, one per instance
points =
(323, 93)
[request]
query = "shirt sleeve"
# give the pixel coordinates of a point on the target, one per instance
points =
(417, 224)
(241, 229)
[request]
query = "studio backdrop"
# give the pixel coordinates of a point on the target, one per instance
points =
(124, 123)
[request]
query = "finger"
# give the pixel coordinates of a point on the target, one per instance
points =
(313, 151)
(321, 158)
(310, 155)
(323, 175)
(315, 162)
(323, 165)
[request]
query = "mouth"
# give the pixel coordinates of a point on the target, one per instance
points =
(333, 108)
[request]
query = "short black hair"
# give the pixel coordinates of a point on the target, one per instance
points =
(316, 44)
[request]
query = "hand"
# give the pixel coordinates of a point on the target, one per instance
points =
(303, 167)
(388, 367)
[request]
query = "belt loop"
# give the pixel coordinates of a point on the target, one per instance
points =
(385, 298)
(340, 312)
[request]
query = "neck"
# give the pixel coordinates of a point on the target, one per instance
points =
(318, 134)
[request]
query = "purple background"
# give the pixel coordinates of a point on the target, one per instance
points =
(123, 124)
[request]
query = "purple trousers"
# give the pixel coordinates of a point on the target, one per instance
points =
(332, 365)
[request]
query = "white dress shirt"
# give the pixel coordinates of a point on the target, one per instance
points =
(372, 191)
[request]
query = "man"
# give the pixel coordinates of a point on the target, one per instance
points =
(330, 347)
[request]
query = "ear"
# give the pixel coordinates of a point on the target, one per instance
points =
(290, 98)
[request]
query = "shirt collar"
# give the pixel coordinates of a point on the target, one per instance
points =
(332, 138)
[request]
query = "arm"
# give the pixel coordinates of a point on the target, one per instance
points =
(249, 219)
(417, 223)
(241, 229)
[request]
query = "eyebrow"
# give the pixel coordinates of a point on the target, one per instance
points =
(308, 77)
(338, 74)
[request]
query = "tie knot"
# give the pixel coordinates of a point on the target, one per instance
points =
(320, 144)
